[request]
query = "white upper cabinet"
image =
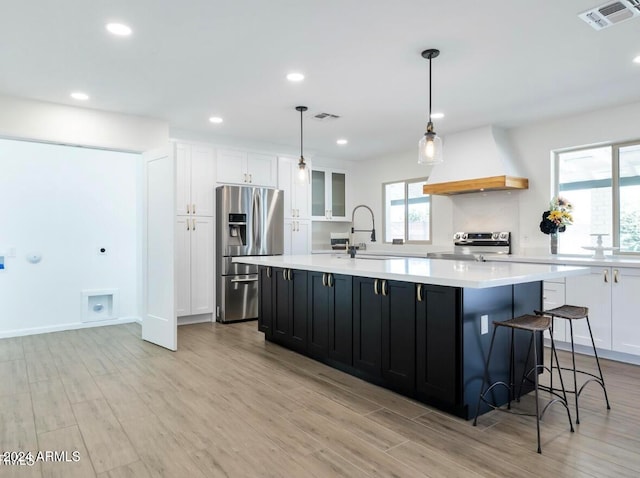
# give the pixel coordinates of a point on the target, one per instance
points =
(297, 193)
(195, 179)
(241, 167)
(329, 195)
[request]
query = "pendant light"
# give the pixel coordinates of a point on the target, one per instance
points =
(302, 166)
(430, 145)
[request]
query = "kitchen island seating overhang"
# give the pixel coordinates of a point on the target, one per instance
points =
(419, 327)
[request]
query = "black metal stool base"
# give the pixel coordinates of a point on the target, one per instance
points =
(571, 313)
(532, 324)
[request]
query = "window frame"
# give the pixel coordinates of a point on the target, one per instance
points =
(406, 210)
(615, 183)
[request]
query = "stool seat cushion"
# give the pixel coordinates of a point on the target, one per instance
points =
(533, 323)
(571, 312)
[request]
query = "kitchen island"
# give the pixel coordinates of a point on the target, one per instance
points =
(420, 327)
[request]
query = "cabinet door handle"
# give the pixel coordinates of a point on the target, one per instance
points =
(193, 208)
(330, 279)
(615, 275)
(290, 274)
(324, 279)
(375, 287)
(250, 178)
(284, 274)
(193, 227)
(188, 228)
(419, 292)
(269, 272)
(385, 291)
(606, 275)
(188, 209)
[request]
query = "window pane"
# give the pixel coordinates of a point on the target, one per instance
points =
(630, 198)
(338, 191)
(418, 212)
(394, 207)
(584, 179)
(318, 206)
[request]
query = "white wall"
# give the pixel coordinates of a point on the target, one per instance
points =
(64, 203)
(30, 119)
(517, 211)
(367, 178)
(533, 143)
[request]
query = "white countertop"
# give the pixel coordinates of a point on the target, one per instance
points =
(477, 275)
(608, 261)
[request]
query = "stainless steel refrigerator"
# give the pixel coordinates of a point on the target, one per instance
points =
(250, 222)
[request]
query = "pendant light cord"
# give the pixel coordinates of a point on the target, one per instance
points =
(302, 136)
(430, 88)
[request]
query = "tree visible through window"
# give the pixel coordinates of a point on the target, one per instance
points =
(407, 211)
(603, 184)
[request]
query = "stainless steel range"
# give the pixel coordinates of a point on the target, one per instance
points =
(474, 246)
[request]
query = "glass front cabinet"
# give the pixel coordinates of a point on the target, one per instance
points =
(329, 195)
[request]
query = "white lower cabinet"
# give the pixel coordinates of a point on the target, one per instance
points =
(297, 237)
(194, 265)
(625, 304)
(592, 290)
(553, 296)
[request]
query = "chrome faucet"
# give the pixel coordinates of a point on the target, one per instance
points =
(373, 223)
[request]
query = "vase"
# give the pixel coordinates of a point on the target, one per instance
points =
(553, 242)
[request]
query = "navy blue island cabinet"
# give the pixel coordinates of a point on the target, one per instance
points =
(427, 342)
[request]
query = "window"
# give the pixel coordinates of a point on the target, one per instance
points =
(407, 211)
(603, 184)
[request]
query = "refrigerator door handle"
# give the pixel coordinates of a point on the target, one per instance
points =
(255, 279)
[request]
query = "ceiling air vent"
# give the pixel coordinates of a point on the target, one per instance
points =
(611, 13)
(325, 117)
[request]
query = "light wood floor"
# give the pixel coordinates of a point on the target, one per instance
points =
(229, 404)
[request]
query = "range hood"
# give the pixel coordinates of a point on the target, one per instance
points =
(475, 160)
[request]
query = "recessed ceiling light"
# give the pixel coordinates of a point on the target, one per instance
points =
(437, 115)
(119, 29)
(216, 119)
(295, 77)
(636, 59)
(342, 142)
(79, 95)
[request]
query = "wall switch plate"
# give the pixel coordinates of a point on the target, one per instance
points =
(11, 252)
(484, 324)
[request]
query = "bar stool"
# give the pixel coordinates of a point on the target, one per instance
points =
(533, 324)
(571, 313)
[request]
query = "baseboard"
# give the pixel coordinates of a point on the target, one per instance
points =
(195, 319)
(71, 326)
(603, 354)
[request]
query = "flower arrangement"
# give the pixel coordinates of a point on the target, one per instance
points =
(558, 217)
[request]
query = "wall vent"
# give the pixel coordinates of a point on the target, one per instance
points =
(611, 13)
(325, 117)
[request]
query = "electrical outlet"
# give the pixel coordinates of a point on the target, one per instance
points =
(484, 324)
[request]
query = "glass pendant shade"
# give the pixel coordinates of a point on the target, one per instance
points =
(302, 171)
(430, 145)
(430, 149)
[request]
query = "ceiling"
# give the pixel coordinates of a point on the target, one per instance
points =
(502, 62)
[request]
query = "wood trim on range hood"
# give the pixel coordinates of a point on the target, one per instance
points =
(493, 183)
